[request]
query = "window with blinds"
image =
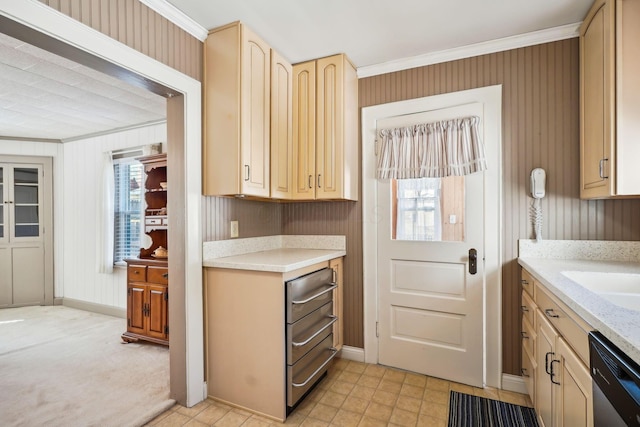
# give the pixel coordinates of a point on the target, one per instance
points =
(128, 206)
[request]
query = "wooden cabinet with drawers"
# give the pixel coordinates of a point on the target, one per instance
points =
(147, 301)
(555, 358)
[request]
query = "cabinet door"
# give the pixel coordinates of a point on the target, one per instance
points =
(338, 327)
(545, 352)
(136, 308)
(281, 127)
(597, 101)
(573, 401)
(330, 127)
(157, 311)
(304, 131)
(255, 114)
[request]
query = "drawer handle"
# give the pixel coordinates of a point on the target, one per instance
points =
(136, 272)
(332, 320)
(549, 312)
(334, 352)
(524, 282)
(552, 374)
(329, 289)
(165, 275)
(546, 361)
(523, 371)
(524, 335)
(524, 308)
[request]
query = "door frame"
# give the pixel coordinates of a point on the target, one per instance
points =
(491, 98)
(186, 351)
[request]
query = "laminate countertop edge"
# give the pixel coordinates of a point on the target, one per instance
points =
(276, 260)
(620, 325)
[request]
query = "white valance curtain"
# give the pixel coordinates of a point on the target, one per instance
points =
(432, 150)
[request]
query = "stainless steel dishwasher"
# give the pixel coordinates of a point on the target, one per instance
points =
(616, 384)
(309, 305)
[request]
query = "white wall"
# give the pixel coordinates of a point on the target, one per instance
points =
(81, 189)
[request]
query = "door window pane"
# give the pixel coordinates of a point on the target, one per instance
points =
(26, 210)
(26, 194)
(428, 209)
(25, 176)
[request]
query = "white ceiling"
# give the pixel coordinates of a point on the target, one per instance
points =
(43, 96)
(376, 31)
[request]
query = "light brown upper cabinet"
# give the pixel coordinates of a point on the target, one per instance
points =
(236, 113)
(325, 134)
(281, 127)
(610, 100)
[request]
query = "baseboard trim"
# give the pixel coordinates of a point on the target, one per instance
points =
(514, 383)
(352, 353)
(57, 301)
(95, 308)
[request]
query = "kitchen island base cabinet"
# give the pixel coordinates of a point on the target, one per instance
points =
(245, 337)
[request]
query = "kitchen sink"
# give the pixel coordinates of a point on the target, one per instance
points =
(622, 289)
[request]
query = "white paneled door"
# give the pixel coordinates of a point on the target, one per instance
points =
(430, 290)
(23, 214)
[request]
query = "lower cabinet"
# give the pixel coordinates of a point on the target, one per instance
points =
(245, 335)
(147, 303)
(555, 362)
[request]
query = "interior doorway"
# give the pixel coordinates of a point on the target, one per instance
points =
(49, 29)
(488, 291)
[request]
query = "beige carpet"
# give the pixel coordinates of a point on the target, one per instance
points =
(65, 367)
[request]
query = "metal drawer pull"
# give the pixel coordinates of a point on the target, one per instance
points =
(549, 312)
(601, 168)
(523, 371)
(524, 335)
(546, 362)
(335, 351)
(246, 173)
(552, 374)
(165, 275)
(310, 178)
(524, 308)
(524, 282)
(332, 287)
(332, 320)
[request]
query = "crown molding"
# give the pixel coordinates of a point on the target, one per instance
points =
(528, 39)
(178, 17)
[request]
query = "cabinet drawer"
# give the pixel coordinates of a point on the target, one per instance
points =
(528, 308)
(527, 282)
(153, 221)
(575, 334)
(137, 273)
(528, 336)
(159, 275)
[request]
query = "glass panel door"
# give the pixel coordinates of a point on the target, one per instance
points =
(3, 199)
(26, 202)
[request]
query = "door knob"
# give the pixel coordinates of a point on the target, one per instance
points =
(473, 261)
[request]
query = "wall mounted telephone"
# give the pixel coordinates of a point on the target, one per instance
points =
(538, 180)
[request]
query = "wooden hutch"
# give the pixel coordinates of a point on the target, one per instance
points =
(148, 275)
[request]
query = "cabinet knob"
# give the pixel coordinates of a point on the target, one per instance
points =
(165, 275)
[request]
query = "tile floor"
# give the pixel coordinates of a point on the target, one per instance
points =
(352, 394)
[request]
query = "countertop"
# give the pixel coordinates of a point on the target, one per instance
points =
(280, 260)
(620, 325)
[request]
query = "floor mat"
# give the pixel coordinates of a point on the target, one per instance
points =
(472, 411)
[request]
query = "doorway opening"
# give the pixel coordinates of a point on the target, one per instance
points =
(50, 30)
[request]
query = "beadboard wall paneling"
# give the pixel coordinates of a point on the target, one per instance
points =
(255, 218)
(80, 198)
(540, 129)
(336, 218)
(134, 24)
